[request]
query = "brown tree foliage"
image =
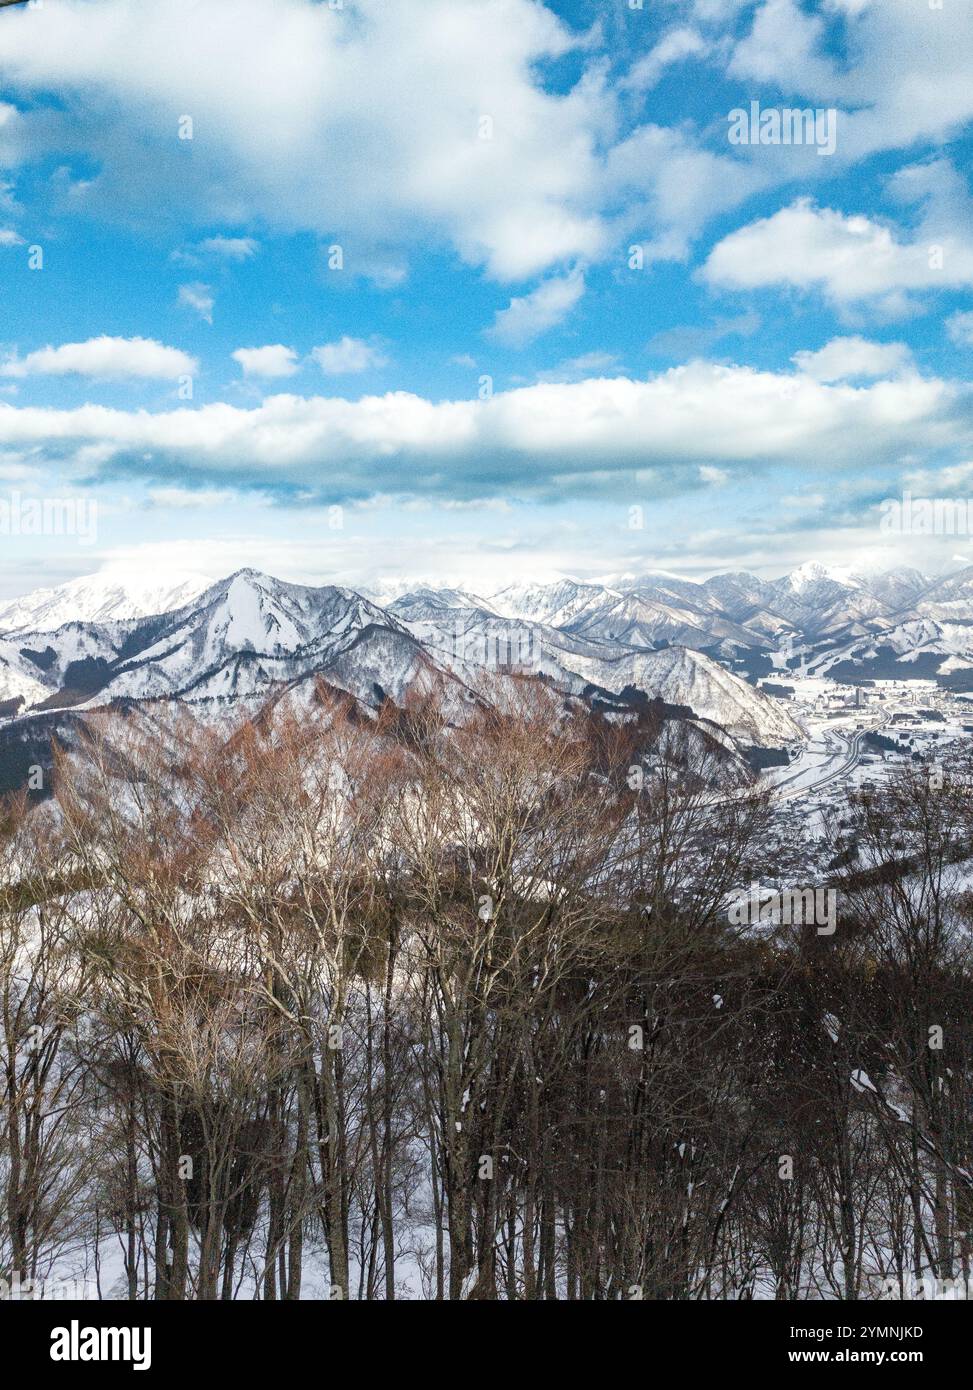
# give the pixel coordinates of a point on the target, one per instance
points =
(334, 1005)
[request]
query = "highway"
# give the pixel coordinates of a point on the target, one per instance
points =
(847, 751)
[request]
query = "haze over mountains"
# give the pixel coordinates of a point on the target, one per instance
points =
(698, 647)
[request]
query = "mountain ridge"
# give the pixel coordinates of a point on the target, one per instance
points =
(250, 634)
(689, 644)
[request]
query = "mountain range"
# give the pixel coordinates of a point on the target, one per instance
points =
(698, 648)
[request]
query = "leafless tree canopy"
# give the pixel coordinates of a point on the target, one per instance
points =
(361, 1008)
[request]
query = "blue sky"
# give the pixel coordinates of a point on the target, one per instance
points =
(571, 328)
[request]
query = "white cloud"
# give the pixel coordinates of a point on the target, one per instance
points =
(850, 259)
(199, 298)
(348, 356)
(275, 360)
(960, 329)
(716, 477)
(235, 248)
(902, 75)
(673, 47)
(361, 124)
(718, 10)
(668, 184)
(543, 440)
(806, 502)
(528, 316)
(847, 7)
(844, 359)
(933, 482)
(105, 358)
(8, 237)
(783, 48)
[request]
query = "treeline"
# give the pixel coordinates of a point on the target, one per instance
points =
(376, 1008)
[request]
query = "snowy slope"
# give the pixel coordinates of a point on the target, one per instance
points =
(556, 604)
(643, 621)
(249, 635)
(110, 595)
(462, 639)
(951, 600)
(432, 603)
(243, 635)
(684, 677)
(39, 664)
(651, 610)
(18, 683)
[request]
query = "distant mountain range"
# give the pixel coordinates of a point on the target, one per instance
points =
(700, 648)
(107, 596)
(899, 622)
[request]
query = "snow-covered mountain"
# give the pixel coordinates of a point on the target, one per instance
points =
(556, 604)
(417, 604)
(111, 595)
(240, 640)
(237, 642)
(681, 676)
(653, 610)
(898, 588)
(814, 602)
(587, 656)
(645, 620)
(950, 600)
(931, 635)
(245, 635)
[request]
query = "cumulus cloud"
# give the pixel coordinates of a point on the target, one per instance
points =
(275, 360)
(8, 237)
(528, 316)
(348, 356)
(199, 298)
(107, 359)
(844, 359)
(783, 47)
(363, 123)
(905, 78)
(668, 183)
(546, 440)
(393, 126)
(852, 260)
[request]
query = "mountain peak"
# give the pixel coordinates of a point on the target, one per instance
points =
(113, 594)
(813, 572)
